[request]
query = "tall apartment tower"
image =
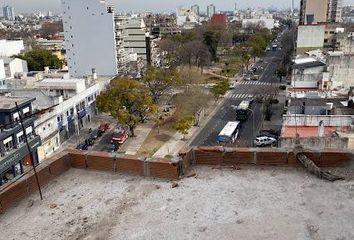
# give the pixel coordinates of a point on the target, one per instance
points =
(89, 37)
(195, 9)
(210, 10)
(9, 13)
(317, 11)
(313, 11)
(335, 10)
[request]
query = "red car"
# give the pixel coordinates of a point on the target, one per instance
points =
(104, 127)
(119, 137)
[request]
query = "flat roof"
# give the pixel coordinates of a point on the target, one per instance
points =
(8, 103)
(305, 132)
(62, 80)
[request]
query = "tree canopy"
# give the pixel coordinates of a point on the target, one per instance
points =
(126, 100)
(158, 81)
(220, 89)
(39, 58)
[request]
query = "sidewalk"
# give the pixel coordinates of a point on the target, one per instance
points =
(175, 144)
(133, 144)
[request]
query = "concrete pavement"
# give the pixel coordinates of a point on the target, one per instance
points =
(177, 142)
(133, 144)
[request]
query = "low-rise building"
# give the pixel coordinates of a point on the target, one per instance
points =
(8, 48)
(318, 122)
(307, 74)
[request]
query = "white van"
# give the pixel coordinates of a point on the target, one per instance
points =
(264, 141)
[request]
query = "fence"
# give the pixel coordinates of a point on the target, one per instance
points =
(25, 185)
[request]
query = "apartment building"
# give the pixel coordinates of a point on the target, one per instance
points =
(89, 37)
(14, 155)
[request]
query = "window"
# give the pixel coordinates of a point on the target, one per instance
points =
(16, 117)
(20, 137)
(8, 144)
(25, 110)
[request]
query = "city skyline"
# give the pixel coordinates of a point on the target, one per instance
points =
(152, 5)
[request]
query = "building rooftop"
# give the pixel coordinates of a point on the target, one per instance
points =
(308, 64)
(306, 132)
(9, 103)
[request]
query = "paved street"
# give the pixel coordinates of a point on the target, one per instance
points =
(244, 90)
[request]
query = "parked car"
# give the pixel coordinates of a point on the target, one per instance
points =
(262, 141)
(104, 127)
(82, 146)
(112, 147)
(96, 133)
(119, 137)
(90, 142)
(271, 132)
(232, 85)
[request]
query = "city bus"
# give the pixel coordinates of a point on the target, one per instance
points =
(229, 133)
(242, 110)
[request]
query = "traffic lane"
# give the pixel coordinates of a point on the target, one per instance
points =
(250, 128)
(229, 115)
(207, 136)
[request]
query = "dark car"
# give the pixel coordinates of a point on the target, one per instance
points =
(112, 147)
(82, 146)
(90, 142)
(95, 134)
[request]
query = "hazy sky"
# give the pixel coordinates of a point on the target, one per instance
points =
(151, 5)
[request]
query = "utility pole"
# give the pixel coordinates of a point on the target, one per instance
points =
(29, 150)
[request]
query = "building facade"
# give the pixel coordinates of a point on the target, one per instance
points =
(335, 10)
(9, 13)
(8, 48)
(313, 11)
(14, 152)
(195, 9)
(89, 37)
(210, 10)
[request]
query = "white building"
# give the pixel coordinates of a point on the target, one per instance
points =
(210, 10)
(9, 48)
(265, 22)
(186, 18)
(65, 107)
(308, 73)
(135, 39)
(89, 37)
(195, 9)
(310, 37)
(9, 13)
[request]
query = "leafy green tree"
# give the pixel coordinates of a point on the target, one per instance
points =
(39, 58)
(183, 124)
(158, 81)
(281, 72)
(211, 41)
(128, 101)
(220, 89)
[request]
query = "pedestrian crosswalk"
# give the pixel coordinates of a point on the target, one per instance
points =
(248, 96)
(256, 83)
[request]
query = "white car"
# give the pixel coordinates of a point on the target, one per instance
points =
(264, 141)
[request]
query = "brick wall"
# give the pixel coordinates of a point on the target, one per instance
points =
(262, 156)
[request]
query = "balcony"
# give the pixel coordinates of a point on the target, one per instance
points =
(17, 154)
(60, 125)
(70, 118)
(81, 113)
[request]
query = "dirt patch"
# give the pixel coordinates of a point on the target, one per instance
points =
(220, 203)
